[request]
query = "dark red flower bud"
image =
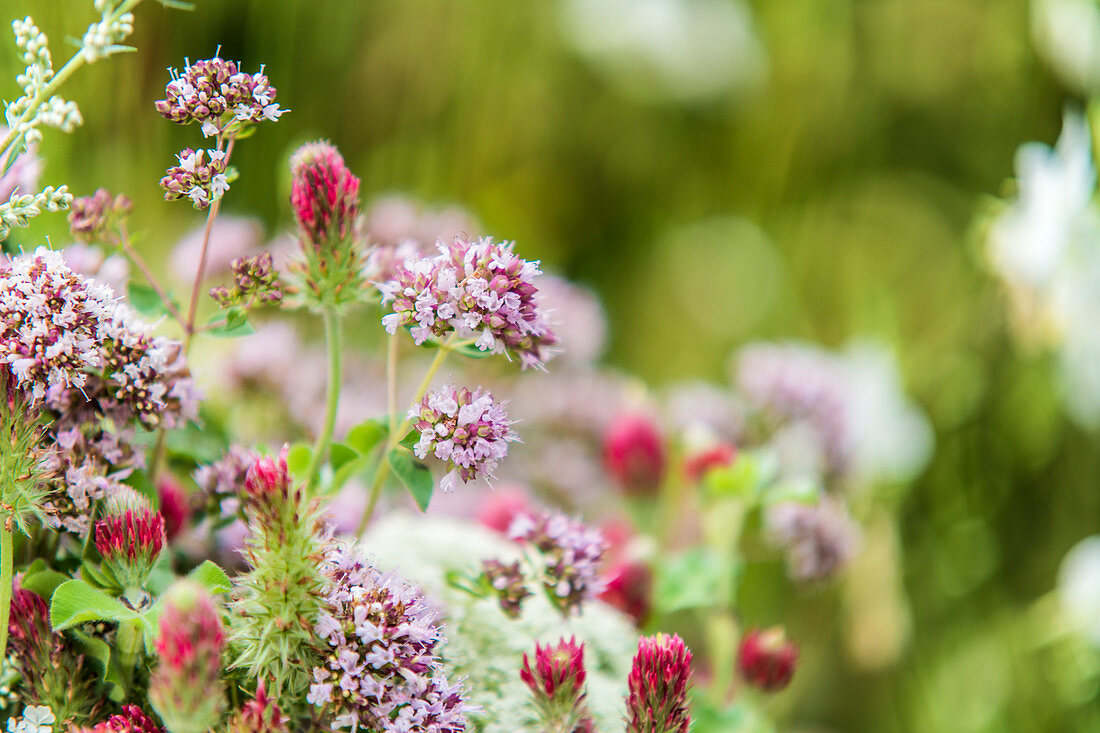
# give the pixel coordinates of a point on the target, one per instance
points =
(698, 464)
(634, 453)
(556, 681)
(658, 686)
(628, 586)
(175, 506)
(766, 659)
(324, 194)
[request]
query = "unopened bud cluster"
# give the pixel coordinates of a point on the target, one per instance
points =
(203, 181)
(216, 94)
(91, 218)
(255, 281)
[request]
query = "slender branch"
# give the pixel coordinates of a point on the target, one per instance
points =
(212, 214)
(398, 434)
(335, 358)
(60, 77)
(147, 273)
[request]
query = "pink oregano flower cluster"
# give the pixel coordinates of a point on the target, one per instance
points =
(382, 672)
(199, 176)
(465, 428)
(571, 554)
(476, 290)
(215, 92)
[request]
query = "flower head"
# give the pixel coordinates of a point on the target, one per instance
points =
(259, 715)
(766, 659)
(91, 217)
(51, 321)
(571, 555)
(324, 194)
(700, 462)
(186, 689)
(199, 176)
(464, 428)
(508, 582)
(628, 586)
(658, 685)
(634, 453)
(255, 280)
(132, 719)
(216, 94)
(819, 538)
(556, 681)
(223, 482)
(382, 671)
(479, 291)
(35, 719)
(129, 538)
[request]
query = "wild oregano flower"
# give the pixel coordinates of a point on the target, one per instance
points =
(255, 281)
(382, 671)
(217, 95)
(570, 556)
(222, 482)
(464, 428)
(91, 218)
(199, 176)
(476, 290)
(509, 583)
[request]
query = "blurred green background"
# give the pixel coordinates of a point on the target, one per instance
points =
(830, 196)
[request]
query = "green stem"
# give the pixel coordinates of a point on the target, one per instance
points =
(5, 585)
(398, 434)
(335, 358)
(129, 640)
(59, 78)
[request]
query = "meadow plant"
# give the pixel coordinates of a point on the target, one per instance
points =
(340, 608)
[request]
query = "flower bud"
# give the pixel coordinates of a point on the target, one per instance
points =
(132, 719)
(324, 194)
(268, 479)
(634, 454)
(660, 674)
(701, 462)
(91, 217)
(259, 715)
(508, 582)
(175, 506)
(556, 682)
(766, 659)
(129, 539)
(628, 586)
(186, 690)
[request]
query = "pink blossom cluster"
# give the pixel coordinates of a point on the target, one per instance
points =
(222, 482)
(465, 428)
(477, 290)
(203, 181)
(572, 555)
(382, 672)
(795, 383)
(820, 539)
(215, 92)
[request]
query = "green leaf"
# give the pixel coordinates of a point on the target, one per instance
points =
(365, 437)
(42, 580)
(97, 650)
(196, 443)
(341, 455)
(691, 579)
(230, 324)
(471, 351)
(413, 474)
(145, 300)
(211, 577)
(298, 459)
(76, 602)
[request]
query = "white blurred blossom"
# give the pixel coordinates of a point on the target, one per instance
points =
(1067, 33)
(1079, 587)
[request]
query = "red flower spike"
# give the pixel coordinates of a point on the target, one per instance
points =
(658, 686)
(766, 659)
(634, 454)
(556, 681)
(324, 194)
(698, 464)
